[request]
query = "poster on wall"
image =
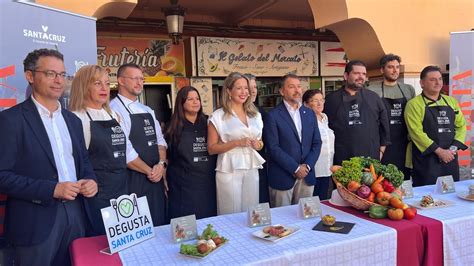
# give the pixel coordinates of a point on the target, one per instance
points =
(157, 57)
(461, 79)
(27, 26)
(218, 57)
(204, 86)
(333, 59)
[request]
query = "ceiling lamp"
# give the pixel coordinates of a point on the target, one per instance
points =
(174, 20)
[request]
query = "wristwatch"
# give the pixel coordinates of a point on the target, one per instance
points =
(163, 163)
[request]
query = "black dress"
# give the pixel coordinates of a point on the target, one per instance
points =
(191, 173)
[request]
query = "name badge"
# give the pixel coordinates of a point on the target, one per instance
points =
(259, 215)
(183, 228)
(309, 207)
(407, 189)
(445, 184)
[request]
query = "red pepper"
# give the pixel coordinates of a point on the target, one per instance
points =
(387, 186)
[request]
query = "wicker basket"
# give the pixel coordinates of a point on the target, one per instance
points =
(356, 201)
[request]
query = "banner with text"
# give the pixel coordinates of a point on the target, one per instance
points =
(461, 66)
(157, 57)
(28, 26)
(217, 57)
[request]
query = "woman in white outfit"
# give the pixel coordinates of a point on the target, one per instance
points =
(314, 99)
(235, 133)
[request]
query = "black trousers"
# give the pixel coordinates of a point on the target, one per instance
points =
(70, 224)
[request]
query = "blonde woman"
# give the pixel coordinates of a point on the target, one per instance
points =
(108, 147)
(235, 133)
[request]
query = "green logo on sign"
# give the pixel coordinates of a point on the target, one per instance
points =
(126, 208)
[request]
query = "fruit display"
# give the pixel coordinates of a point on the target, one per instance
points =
(207, 242)
(367, 184)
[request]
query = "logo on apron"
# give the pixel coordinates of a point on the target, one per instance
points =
(148, 129)
(396, 113)
(443, 120)
(354, 115)
(200, 145)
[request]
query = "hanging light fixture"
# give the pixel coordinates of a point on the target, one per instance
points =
(174, 20)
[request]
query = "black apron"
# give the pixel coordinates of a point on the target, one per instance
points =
(143, 139)
(396, 152)
(191, 174)
(107, 155)
(438, 124)
(360, 134)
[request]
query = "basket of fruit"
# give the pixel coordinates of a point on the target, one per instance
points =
(364, 182)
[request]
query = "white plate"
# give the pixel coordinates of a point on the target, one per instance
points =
(464, 194)
(207, 255)
(437, 204)
(260, 234)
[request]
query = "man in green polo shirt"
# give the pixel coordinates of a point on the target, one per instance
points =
(437, 129)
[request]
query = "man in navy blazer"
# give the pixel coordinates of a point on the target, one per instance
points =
(293, 144)
(44, 168)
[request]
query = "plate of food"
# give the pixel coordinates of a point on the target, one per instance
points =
(275, 232)
(208, 243)
(427, 202)
(466, 195)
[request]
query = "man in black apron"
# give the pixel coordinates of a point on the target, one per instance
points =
(107, 155)
(395, 96)
(145, 135)
(357, 116)
(437, 130)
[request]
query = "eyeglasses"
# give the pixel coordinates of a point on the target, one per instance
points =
(50, 74)
(317, 101)
(136, 79)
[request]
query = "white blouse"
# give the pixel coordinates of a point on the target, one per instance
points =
(102, 115)
(325, 160)
(229, 127)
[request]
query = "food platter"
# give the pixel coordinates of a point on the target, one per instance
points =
(436, 204)
(286, 231)
(205, 255)
(465, 195)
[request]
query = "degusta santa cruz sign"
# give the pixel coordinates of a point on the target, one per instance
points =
(221, 56)
(127, 222)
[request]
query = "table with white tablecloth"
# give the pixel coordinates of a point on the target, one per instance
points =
(458, 222)
(367, 244)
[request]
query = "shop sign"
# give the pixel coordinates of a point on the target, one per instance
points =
(157, 57)
(204, 86)
(218, 57)
(333, 59)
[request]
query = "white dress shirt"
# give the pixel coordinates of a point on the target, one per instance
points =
(102, 115)
(295, 116)
(325, 160)
(58, 135)
(135, 107)
(229, 127)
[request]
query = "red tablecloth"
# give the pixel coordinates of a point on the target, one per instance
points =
(85, 251)
(419, 241)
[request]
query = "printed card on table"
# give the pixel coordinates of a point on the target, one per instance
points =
(445, 184)
(309, 207)
(184, 228)
(259, 215)
(407, 189)
(127, 222)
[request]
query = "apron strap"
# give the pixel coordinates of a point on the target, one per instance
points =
(90, 118)
(118, 96)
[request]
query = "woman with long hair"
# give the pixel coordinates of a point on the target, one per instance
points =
(190, 174)
(314, 99)
(235, 134)
(108, 147)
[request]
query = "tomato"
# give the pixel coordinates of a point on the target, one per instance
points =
(395, 214)
(376, 188)
(383, 198)
(409, 213)
(396, 203)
